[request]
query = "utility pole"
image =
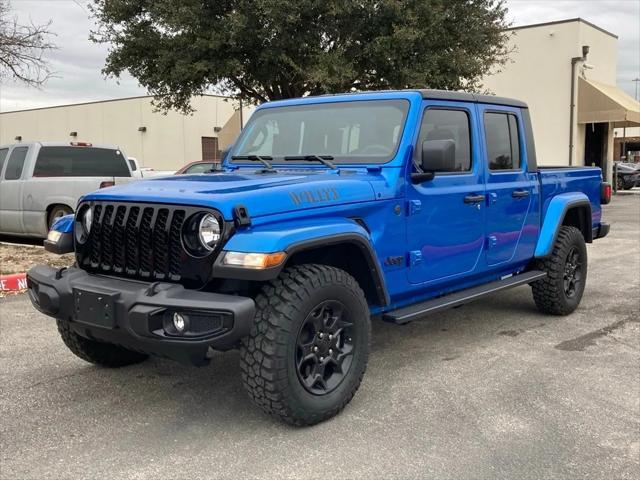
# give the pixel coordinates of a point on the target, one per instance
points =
(636, 80)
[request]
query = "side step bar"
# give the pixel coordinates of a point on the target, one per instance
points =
(414, 312)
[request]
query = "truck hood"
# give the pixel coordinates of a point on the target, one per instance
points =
(261, 193)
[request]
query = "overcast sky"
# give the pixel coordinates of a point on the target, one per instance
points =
(78, 62)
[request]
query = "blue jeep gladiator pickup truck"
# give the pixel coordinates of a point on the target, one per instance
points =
(329, 211)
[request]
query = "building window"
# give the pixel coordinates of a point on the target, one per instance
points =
(210, 149)
(503, 144)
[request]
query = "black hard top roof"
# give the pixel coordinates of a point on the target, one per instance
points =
(471, 97)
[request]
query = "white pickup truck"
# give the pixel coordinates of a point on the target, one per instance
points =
(42, 181)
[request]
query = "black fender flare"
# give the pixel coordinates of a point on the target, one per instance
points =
(225, 271)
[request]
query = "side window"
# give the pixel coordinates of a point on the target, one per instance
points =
(3, 156)
(442, 124)
(15, 164)
(503, 144)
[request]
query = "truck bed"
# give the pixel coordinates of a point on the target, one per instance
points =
(558, 180)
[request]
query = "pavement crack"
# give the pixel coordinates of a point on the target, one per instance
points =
(578, 344)
(52, 380)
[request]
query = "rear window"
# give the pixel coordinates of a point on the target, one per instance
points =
(503, 145)
(80, 162)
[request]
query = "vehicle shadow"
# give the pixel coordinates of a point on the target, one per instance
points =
(181, 395)
(21, 240)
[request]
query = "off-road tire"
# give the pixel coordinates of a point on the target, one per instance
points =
(267, 355)
(549, 293)
(98, 353)
(57, 212)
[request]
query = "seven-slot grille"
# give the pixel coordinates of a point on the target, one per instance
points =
(141, 241)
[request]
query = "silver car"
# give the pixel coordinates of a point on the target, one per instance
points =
(42, 181)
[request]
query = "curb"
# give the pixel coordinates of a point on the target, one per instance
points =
(13, 282)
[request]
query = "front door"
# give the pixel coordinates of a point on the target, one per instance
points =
(510, 188)
(445, 222)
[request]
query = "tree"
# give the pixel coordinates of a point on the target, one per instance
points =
(261, 50)
(22, 49)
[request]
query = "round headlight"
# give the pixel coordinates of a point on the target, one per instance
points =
(87, 219)
(209, 231)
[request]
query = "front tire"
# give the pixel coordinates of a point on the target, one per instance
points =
(308, 349)
(98, 353)
(560, 292)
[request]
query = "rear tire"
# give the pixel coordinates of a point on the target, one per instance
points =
(57, 212)
(308, 349)
(98, 353)
(560, 292)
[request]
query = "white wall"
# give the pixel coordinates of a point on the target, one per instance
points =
(539, 73)
(169, 142)
(603, 56)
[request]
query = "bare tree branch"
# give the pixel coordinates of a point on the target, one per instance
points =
(23, 48)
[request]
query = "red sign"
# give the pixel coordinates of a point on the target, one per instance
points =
(17, 281)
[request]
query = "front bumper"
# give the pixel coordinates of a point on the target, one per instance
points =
(138, 315)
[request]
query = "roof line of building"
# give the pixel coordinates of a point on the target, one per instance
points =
(100, 101)
(568, 20)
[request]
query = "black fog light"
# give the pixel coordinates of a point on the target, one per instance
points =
(194, 323)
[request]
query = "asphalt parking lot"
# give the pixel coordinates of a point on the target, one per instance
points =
(490, 390)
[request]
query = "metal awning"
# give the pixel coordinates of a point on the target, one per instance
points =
(602, 103)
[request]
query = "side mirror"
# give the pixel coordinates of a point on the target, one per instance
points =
(437, 156)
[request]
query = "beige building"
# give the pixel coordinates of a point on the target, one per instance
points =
(163, 142)
(540, 73)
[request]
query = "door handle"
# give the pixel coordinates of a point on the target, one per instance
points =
(473, 198)
(520, 193)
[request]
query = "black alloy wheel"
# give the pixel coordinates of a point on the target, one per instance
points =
(325, 348)
(572, 272)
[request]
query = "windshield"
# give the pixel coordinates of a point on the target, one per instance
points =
(347, 132)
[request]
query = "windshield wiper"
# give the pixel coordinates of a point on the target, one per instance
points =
(264, 159)
(324, 159)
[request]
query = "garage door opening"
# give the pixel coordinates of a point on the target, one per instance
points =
(595, 144)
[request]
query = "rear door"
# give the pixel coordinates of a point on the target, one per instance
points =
(511, 189)
(445, 222)
(12, 187)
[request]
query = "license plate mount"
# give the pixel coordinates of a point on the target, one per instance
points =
(94, 308)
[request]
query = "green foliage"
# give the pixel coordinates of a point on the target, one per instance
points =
(261, 50)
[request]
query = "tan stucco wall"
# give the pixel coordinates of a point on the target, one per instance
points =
(169, 142)
(539, 72)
